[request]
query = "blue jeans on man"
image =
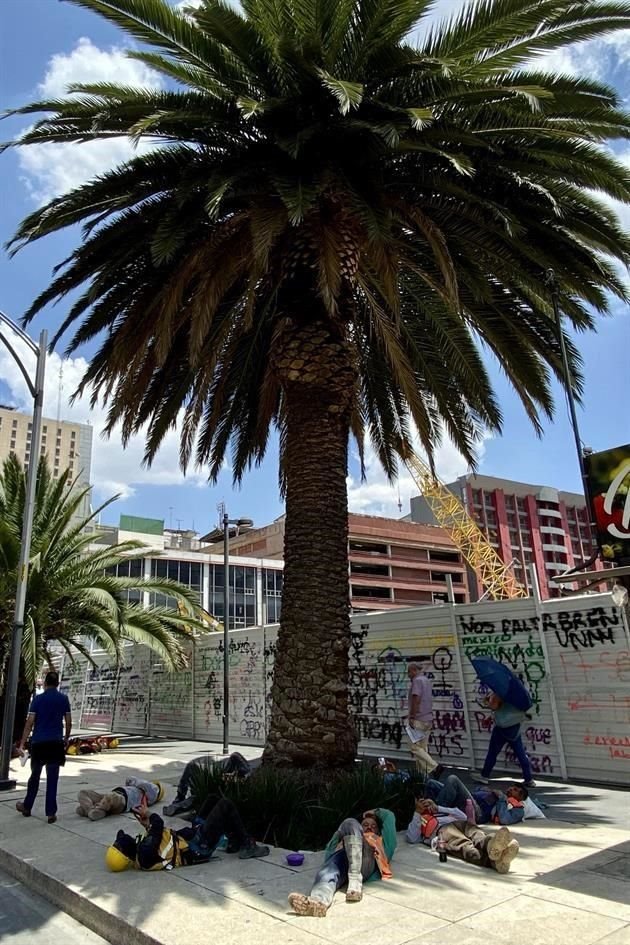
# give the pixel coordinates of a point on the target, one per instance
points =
(52, 779)
(451, 792)
(334, 872)
(507, 736)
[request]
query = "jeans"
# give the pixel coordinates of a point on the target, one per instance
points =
(512, 737)
(451, 793)
(334, 872)
(52, 779)
(223, 818)
(197, 764)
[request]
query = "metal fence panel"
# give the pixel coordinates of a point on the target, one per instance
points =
(573, 655)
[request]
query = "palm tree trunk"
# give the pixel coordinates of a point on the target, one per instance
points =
(311, 722)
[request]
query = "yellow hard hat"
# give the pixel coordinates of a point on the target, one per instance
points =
(116, 861)
(160, 788)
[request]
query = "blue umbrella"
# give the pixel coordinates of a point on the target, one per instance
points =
(502, 680)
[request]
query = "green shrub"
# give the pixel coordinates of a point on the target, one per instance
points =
(300, 810)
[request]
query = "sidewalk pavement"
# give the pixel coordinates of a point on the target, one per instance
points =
(570, 883)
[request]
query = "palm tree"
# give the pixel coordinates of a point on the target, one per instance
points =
(74, 596)
(331, 222)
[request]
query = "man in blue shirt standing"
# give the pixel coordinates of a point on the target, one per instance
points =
(48, 713)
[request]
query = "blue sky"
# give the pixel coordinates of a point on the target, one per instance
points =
(44, 45)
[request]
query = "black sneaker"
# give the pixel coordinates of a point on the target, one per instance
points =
(252, 849)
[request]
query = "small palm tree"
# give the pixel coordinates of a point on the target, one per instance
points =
(331, 222)
(73, 598)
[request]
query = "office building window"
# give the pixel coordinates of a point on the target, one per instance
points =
(272, 593)
(377, 570)
(242, 594)
(368, 548)
(188, 573)
(130, 568)
(381, 593)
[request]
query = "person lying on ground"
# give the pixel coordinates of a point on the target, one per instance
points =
(119, 800)
(161, 848)
(357, 852)
(495, 807)
(483, 805)
(460, 838)
(235, 765)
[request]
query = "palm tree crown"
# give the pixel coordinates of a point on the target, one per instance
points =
(328, 223)
(74, 596)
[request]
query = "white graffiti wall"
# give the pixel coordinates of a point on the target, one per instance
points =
(573, 655)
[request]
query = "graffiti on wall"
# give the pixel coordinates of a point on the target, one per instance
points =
(586, 656)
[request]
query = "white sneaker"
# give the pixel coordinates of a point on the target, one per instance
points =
(479, 778)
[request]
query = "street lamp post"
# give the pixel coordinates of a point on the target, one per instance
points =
(37, 392)
(242, 525)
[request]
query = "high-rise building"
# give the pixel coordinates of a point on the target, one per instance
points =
(391, 562)
(526, 524)
(67, 445)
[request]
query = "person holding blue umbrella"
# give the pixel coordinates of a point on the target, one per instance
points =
(509, 702)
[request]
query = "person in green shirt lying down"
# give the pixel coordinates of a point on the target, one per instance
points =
(356, 853)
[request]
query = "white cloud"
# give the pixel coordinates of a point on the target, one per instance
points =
(377, 496)
(88, 63)
(52, 169)
(185, 5)
(114, 469)
(596, 58)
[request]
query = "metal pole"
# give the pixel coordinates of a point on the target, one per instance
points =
(553, 284)
(548, 672)
(226, 634)
(13, 672)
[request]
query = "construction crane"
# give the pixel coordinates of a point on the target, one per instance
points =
(496, 577)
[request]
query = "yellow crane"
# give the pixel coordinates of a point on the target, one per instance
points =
(496, 577)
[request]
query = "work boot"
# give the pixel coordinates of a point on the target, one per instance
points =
(251, 850)
(502, 865)
(96, 813)
(498, 844)
(179, 806)
(304, 905)
(353, 846)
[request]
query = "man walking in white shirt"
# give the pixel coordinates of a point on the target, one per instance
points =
(420, 718)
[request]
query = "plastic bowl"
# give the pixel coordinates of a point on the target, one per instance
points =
(295, 859)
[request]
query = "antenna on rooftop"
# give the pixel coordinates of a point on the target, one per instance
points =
(59, 391)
